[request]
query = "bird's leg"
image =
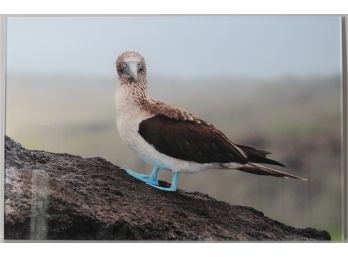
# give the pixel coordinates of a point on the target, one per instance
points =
(173, 185)
(174, 180)
(153, 176)
(148, 179)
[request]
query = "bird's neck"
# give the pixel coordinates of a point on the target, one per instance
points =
(135, 90)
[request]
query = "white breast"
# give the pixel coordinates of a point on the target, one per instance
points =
(128, 117)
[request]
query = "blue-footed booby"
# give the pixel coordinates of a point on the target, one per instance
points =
(173, 139)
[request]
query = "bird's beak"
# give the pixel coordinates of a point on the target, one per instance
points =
(133, 70)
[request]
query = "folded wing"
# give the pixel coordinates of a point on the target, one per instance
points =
(189, 141)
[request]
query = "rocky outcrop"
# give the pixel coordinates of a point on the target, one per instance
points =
(62, 196)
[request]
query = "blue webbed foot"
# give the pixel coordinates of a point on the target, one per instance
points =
(152, 180)
(148, 179)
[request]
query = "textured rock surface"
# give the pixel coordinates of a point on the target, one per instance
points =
(61, 196)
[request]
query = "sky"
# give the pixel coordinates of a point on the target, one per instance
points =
(177, 46)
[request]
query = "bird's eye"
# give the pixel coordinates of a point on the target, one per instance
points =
(140, 66)
(124, 65)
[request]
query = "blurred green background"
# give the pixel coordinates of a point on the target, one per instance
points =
(285, 99)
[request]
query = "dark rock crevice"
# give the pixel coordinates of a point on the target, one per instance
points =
(61, 196)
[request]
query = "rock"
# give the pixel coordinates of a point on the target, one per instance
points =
(62, 196)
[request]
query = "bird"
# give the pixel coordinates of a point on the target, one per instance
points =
(173, 139)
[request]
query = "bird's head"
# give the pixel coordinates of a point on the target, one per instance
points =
(131, 67)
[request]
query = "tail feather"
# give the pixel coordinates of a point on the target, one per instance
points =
(262, 170)
(265, 160)
(258, 156)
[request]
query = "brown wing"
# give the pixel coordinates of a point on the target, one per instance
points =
(189, 141)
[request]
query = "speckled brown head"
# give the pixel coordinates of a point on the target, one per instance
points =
(131, 68)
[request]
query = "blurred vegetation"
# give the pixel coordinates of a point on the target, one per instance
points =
(297, 119)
